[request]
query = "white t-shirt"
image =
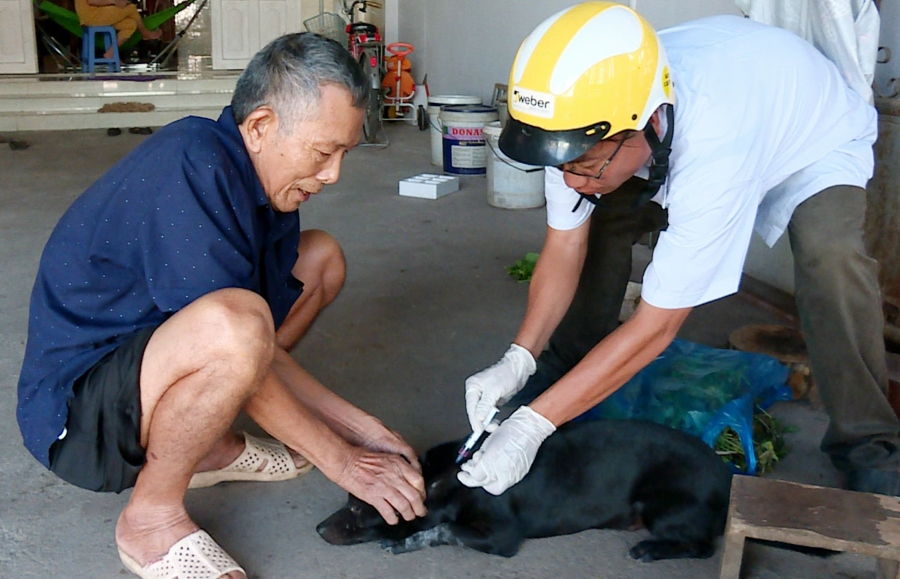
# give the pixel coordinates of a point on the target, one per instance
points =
(763, 121)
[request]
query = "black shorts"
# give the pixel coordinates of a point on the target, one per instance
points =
(101, 450)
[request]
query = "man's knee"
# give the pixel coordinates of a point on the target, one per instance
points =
(321, 262)
(237, 325)
(833, 217)
(833, 257)
(219, 347)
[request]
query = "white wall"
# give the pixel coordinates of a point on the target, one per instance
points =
(465, 46)
(773, 266)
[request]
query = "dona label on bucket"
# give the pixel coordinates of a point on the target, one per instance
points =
(464, 149)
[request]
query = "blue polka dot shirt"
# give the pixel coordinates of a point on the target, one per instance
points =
(182, 215)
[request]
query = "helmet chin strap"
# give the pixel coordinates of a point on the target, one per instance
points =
(659, 163)
(659, 155)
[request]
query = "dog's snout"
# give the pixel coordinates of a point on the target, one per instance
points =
(343, 528)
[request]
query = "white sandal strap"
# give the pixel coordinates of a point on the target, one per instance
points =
(258, 452)
(261, 460)
(196, 556)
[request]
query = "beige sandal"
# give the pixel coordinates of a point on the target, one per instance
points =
(197, 556)
(261, 460)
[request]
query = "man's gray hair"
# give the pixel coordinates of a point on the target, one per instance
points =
(288, 73)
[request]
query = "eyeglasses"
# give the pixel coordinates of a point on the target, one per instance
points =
(602, 169)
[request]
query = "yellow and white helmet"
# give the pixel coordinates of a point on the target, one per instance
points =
(585, 73)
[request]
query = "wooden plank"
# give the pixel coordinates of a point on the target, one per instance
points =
(732, 556)
(887, 569)
(815, 516)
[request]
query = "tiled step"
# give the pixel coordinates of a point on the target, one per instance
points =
(72, 121)
(38, 102)
(37, 105)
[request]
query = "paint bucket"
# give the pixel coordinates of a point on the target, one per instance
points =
(435, 102)
(464, 148)
(510, 185)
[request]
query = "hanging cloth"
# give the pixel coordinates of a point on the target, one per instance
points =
(845, 31)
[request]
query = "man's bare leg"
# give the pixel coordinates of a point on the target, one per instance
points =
(198, 370)
(308, 417)
(322, 268)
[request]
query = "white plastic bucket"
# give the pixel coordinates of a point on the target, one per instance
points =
(463, 141)
(511, 185)
(435, 102)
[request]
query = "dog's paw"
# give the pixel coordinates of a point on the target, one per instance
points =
(394, 547)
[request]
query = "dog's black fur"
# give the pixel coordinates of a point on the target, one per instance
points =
(614, 474)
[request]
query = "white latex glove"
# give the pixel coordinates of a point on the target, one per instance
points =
(506, 456)
(497, 384)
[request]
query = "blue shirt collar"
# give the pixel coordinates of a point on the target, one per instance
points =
(229, 125)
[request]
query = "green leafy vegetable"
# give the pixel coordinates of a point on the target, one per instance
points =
(768, 443)
(523, 268)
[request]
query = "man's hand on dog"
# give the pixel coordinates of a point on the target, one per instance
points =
(497, 384)
(388, 482)
(376, 436)
(507, 454)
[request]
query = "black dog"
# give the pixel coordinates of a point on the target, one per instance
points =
(615, 474)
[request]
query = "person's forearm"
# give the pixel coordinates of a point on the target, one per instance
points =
(611, 363)
(275, 408)
(303, 415)
(339, 415)
(552, 287)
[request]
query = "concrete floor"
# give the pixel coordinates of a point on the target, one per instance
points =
(427, 302)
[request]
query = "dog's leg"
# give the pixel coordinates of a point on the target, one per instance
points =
(679, 531)
(503, 540)
(439, 535)
(683, 521)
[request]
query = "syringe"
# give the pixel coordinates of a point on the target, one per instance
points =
(467, 447)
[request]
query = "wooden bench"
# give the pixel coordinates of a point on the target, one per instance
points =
(811, 516)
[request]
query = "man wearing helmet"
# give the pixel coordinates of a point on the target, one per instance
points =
(704, 132)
